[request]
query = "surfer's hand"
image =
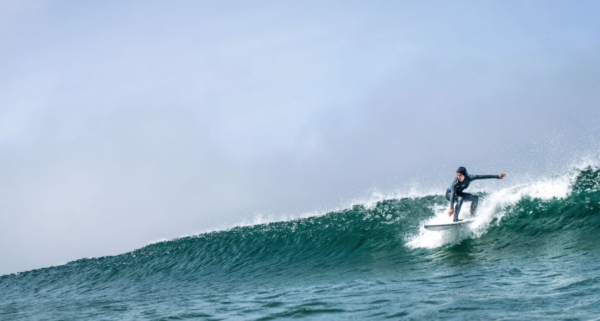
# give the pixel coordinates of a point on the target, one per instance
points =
(450, 212)
(501, 176)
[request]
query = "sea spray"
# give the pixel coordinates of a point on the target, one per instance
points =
(537, 243)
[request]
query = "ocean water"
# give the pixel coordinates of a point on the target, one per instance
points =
(532, 253)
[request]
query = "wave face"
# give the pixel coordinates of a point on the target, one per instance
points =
(531, 252)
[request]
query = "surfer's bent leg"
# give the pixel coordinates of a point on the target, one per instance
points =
(474, 199)
(458, 206)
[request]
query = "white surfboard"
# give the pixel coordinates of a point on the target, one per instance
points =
(449, 225)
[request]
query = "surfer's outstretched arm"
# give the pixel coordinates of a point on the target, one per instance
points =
(476, 177)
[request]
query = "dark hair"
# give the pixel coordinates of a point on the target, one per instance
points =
(462, 170)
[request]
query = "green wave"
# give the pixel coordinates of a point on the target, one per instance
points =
(356, 240)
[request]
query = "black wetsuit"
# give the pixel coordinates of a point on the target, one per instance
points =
(455, 193)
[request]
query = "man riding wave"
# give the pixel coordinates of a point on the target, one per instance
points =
(455, 193)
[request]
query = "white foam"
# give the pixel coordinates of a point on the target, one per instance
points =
(377, 196)
(490, 208)
(369, 202)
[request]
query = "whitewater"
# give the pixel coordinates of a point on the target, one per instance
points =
(532, 253)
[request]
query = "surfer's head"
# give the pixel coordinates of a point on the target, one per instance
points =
(461, 172)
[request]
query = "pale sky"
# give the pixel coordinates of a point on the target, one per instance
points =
(126, 122)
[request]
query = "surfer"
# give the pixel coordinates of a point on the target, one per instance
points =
(455, 193)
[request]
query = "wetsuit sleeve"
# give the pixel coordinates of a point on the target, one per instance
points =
(475, 177)
(453, 192)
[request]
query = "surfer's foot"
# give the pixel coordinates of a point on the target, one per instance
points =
(456, 220)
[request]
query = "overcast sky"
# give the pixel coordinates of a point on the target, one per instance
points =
(125, 122)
